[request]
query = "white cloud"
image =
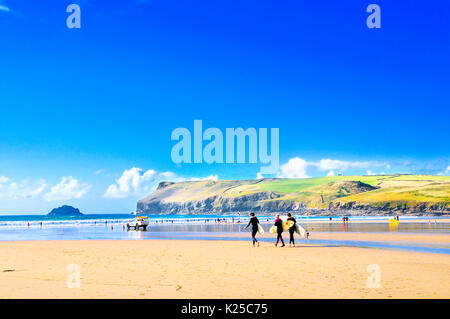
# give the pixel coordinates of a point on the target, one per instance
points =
(68, 188)
(4, 179)
(330, 164)
(207, 178)
(446, 172)
(38, 190)
(298, 168)
(136, 182)
(168, 175)
(294, 168)
(25, 189)
(369, 172)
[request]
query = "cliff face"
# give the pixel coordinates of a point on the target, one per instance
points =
(217, 204)
(359, 195)
(214, 197)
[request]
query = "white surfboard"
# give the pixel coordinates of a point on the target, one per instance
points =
(301, 231)
(260, 230)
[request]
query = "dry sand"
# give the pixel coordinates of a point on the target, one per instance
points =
(215, 269)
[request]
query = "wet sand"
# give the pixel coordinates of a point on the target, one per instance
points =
(216, 269)
(423, 220)
(355, 236)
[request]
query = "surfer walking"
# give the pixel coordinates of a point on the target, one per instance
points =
(292, 229)
(279, 224)
(254, 222)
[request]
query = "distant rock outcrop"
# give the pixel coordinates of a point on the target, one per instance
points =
(65, 210)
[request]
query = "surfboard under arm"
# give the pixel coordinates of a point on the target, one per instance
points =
(260, 230)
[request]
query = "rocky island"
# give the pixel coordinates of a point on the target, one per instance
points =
(337, 195)
(65, 210)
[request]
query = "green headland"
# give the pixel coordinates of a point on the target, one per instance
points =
(357, 195)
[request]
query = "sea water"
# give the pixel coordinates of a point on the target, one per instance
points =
(18, 221)
(207, 227)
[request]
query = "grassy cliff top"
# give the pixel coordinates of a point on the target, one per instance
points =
(318, 192)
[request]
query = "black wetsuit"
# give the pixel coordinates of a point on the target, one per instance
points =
(254, 221)
(292, 230)
(279, 224)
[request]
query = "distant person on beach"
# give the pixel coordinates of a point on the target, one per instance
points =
(254, 222)
(279, 224)
(291, 230)
(330, 218)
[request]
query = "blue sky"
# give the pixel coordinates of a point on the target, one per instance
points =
(82, 108)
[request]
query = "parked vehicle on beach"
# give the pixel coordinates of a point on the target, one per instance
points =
(138, 222)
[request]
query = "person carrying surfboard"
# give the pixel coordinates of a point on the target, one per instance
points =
(291, 230)
(279, 224)
(254, 222)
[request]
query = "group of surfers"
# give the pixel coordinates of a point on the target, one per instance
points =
(254, 222)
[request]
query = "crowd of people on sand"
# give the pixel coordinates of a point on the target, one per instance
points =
(254, 222)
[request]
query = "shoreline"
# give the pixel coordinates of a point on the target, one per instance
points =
(211, 218)
(362, 231)
(370, 237)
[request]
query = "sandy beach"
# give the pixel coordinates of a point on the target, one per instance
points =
(215, 269)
